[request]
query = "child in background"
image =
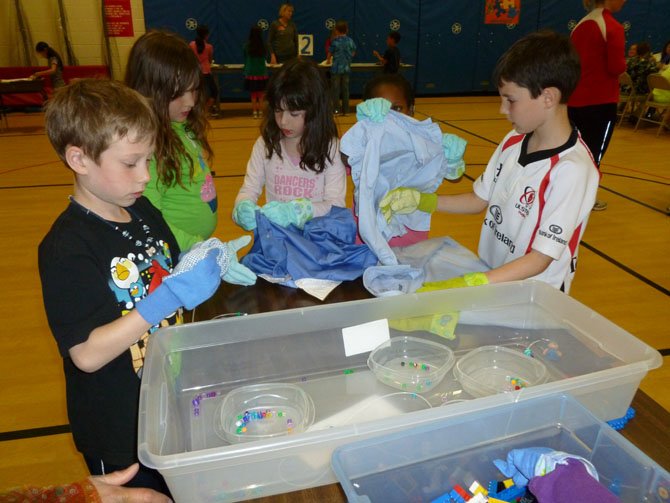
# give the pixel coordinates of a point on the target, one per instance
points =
(393, 87)
(255, 72)
(162, 67)
(296, 158)
(397, 151)
(341, 52)
(55, 70)
(397, 90)
(540, 185)
(107, 268)
(391, 58)
(204, 51)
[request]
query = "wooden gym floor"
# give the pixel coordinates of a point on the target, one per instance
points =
(624, 268)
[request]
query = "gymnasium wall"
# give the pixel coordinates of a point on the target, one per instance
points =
(81, 25)
(451, 48)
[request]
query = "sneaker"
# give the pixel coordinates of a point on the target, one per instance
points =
(600, 205)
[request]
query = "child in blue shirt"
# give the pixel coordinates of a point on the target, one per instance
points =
(342, 51)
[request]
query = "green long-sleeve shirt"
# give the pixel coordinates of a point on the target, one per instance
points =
(190, 211)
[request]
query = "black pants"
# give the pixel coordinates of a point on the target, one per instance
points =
(596, 125)
(146, 477)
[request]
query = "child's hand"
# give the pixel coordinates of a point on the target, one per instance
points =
(374, 109)
(297, 212)
(468, 279)
(454, 149)
(238, 274)
(402, 201)
(193, 281)
(231, 270)
(244, 214)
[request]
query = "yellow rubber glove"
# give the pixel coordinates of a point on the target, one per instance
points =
(403, 200)
(468, 279)
(442, 324)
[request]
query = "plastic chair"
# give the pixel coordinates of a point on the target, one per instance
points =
(629, 100)
(655, 81)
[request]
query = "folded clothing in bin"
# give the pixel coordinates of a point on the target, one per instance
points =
(324, 249)
(570, 483)
(524, 464)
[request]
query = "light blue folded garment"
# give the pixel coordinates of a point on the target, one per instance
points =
(399, 151)
(435, 259)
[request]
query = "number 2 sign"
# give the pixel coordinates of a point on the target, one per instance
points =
(306, 44)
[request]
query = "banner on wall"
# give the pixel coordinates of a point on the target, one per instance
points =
(502, 11)
(118, 18)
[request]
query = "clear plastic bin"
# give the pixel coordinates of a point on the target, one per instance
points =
(190, 369)
(423, 463)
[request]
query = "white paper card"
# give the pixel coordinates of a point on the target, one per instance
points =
(365, 337)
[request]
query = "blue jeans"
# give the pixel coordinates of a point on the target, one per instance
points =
(339, 86)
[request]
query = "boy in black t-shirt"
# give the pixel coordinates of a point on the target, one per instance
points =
(108, 271)
(391, 58)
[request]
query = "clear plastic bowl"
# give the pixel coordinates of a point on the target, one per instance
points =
(411, 364)
(262, 411)
(495, 369)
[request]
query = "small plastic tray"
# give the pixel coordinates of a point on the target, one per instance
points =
(488, 370)
(411, 364)
(262, 411)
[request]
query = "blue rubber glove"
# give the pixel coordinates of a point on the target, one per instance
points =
(403, 200)
(520, 464)
(238, 274)
(230, 269)
(468, 279)
(244, 214)
(454, 149)
(189, 285)
(374, 109)
(296, 212)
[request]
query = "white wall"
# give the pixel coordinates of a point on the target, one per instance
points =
(42, 21)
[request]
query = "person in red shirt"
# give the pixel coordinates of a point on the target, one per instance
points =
(600, 42)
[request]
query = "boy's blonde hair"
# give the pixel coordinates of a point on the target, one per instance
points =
(91, 114)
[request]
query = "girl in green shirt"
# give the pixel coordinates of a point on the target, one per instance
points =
(162, 67)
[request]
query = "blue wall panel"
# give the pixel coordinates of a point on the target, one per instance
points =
(636, 18)
(659, 24)
(373, 21)
(559, 15)
(452, 49)
(447, 47)
(495, 39)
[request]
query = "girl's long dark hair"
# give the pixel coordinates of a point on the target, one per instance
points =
(300, 85)
(255, 46)
(162, 67)
(201, 35)
(51, 53)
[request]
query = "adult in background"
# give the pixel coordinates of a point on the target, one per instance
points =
(600, 42)
(665, 55)
(55, 64)
(283, 36)
(640, 66)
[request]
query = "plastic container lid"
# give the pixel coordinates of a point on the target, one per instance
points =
(411, 364)
(488, 370)
(263, 411)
